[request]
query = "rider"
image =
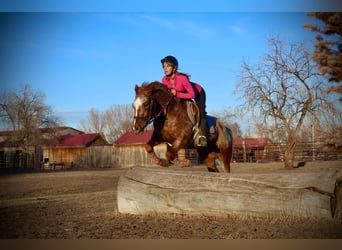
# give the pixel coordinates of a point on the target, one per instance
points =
(181, 86)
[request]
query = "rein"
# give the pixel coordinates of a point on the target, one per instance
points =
(150, 118)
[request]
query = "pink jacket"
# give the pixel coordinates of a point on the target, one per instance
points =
(184, 88)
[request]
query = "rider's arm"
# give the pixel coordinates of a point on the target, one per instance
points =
(184, 88)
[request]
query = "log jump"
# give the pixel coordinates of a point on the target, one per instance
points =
(150, 190)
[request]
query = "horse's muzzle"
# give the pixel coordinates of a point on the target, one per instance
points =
(137, 129)
(138, 126)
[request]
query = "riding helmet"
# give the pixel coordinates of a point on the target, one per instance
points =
(170, 59)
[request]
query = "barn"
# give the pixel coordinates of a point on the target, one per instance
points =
(70, 150)
(253, 150)
(13, 155)
(130, 149)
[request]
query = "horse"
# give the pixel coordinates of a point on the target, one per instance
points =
(154, 103)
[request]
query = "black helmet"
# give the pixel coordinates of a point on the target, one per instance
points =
(170, 59)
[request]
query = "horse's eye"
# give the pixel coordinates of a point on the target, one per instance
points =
(145, 104)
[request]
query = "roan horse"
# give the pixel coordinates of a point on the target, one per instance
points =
(173, 125)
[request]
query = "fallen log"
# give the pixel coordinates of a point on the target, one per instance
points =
(151, 190)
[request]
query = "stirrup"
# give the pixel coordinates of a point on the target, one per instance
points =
(202, 141)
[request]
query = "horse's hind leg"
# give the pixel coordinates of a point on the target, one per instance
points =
(225, 155)
(225, 161)
(210, 162)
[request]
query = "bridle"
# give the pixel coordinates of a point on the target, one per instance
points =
(150, 117)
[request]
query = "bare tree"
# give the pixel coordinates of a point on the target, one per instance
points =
(119, 120)
(228, 118)
(94, 122)
(283, 89)
(328, 131)
(112, 123)
(269, 131)
(25, 112)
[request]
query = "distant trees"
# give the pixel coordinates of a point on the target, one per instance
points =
(283, 89)
(328, 47)
(24, 112)
(227, 117)
(112, 123)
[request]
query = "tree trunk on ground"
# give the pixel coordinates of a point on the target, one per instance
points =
(289, 193)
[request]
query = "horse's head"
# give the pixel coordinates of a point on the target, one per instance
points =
(150, 101)
(142, 105)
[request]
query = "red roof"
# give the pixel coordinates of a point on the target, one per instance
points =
(130, 137)
(251, 142)
(77, 140)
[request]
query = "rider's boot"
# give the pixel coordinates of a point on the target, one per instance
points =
(202, 139)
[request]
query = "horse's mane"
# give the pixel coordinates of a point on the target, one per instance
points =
(154, 85)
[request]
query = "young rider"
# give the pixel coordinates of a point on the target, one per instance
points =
(180, 86)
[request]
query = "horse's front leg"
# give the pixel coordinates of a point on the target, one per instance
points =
(149, 148)
(172, 155)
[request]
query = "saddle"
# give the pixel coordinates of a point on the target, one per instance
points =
(193, 113)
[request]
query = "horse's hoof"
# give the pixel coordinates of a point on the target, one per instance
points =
(163, 163)
(187, 163)
(182, 163)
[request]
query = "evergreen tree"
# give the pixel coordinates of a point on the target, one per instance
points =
(328, 47)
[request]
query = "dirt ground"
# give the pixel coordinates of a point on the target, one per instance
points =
(74, 204)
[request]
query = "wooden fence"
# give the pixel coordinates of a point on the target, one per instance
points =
(275, 152)
(101, 157)
(130, 156)
(136, 155)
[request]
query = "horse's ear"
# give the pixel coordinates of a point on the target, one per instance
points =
(136, 88)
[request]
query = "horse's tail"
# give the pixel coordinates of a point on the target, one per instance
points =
(229, 134)
(225, 145)
(225, 134)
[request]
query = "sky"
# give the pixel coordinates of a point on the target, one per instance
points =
(83, 59)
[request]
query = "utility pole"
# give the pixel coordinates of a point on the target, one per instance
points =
(313, 142)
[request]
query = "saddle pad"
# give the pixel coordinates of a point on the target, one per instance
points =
(211, 121)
